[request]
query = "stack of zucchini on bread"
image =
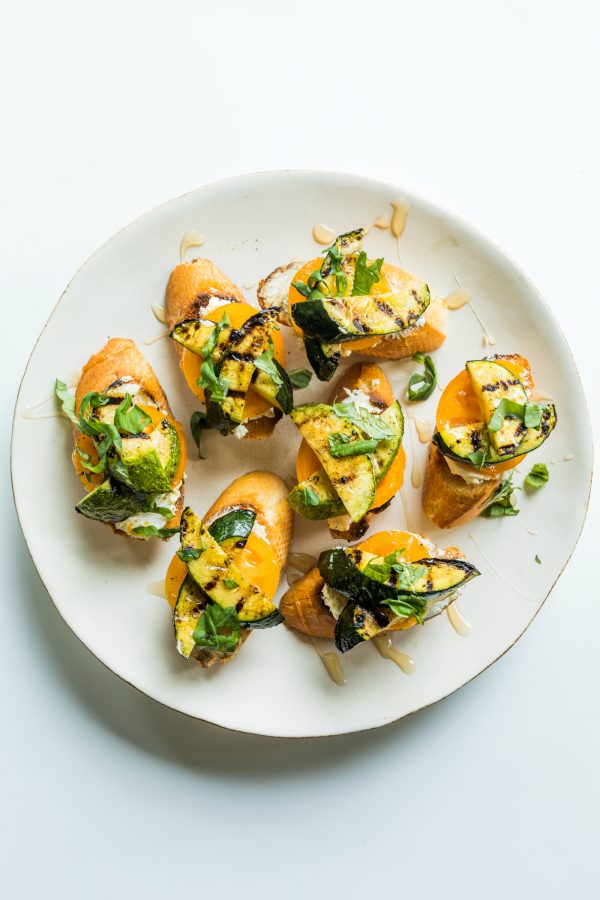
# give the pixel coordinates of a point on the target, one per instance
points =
(232, 356)
(345, 303)
(129, 452)
(485, 423)
(351, 462)
(222, 581)
(390, 582)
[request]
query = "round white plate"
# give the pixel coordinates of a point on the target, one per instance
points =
(103, 585)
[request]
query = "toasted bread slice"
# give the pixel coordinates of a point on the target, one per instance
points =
(119, 360)
(447, 498)
(191, 288)
(265, 494)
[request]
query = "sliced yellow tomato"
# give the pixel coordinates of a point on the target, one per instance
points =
(237, 313)
(459, 406)
(256, 561)
(86, 444)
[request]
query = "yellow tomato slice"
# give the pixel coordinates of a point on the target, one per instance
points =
(307, 463)
(255, 561)
(459, 406)
(238, 313)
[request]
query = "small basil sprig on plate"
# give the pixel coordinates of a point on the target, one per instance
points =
(501, 502)
(421, 384)
(340, 445)
(153, 531)
(538, 477)
(531, 413)
(218, 628)
(300, 378)
(372, 425)
(365, 276)
(266, 363)
(199, 423)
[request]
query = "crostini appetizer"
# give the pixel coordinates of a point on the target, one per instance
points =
(232, 355)
(350, 463)
(222, 581)
(485, 423)
(345, 303)
(129, 453)
(392, 581)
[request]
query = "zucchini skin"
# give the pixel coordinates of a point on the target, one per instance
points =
(111, 501)
(236, 524)
(323, 358)
(280, 396)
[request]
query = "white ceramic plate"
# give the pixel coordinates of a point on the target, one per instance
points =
(102, 584)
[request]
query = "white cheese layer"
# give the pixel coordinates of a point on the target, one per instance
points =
(165, 501)
(468, 473)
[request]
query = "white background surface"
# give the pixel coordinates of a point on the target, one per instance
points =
(488, 109)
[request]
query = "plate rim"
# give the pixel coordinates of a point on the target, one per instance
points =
(409, 194)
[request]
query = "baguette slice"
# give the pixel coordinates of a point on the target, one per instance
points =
(120, 359)
(273, 291)
(266, 495)
(192, 286)
(447, 498)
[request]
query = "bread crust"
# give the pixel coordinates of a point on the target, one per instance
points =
(419, 339)
(120, 358)
(447, 499)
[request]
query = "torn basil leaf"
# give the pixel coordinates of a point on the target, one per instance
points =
(421, 384)
(188, 553)
(219, 628)
(199, 423)
(365, 276)
(538, 477)
(310, 497)
(67, 401)
(153, 531)
(265, 362)
(501, 503)
(300, 378)
(129, 418)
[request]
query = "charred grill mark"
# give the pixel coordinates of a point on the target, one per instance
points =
(385, 308)
(475, 438)
(210, 585)
(358, 324)
(496, 385)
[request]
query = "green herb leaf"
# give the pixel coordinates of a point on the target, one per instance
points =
(266, 363)
(199, 423)
(537, 559)
(213, 338)
(365, 276)
(218, 628)
(346, 447)
(533, 415)
(478, 457)
(121, 472)
(421, 384)
(300, 378)
(208, 380)
(302, 288)
(505, 408)
(310, 497)
(67, 401)
(501, 503)
(407, 572)
(538, 477)
(188, 553)
(153, 531)
(230, 584)
(130, 418)
(372, 425)
(406, 608)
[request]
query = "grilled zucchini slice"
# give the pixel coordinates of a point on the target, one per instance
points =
(463, 440)
(279, 395)
(352, 477)
(491, 383)
(215, 573)
(316, 499)
(348, 318)
(387, 451)
(194, 333)
(232, 530)
(111, 501)
(237, 367)
(191, 603)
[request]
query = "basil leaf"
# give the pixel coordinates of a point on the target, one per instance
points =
(505, 408)
(537, 559)
(421, 384)
(406, 608)
(310, 497)
(130, 418)
(121, 473)
(67, 401)
(478, 457)
(533, 415)
(501, 502)
(213, 338)
(188, 553)
(368, 422)
(208, 380)
(365, 276)
(350, 448)
(218, 628)
(266, 363)
(152, 531)
(199, 423)
(230, 584)
(538, 477)
(301, 288)
(100, 466)
(300, 378)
